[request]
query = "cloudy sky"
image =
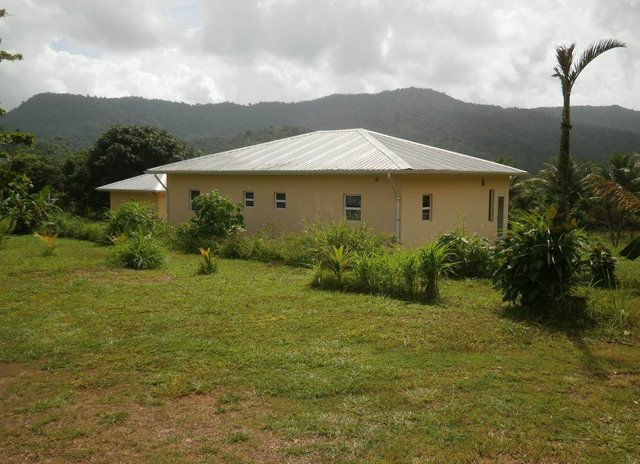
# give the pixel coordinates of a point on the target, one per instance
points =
(485, 51)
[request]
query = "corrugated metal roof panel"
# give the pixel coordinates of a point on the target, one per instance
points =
(351, 150)
(143, 183)
(425, 158)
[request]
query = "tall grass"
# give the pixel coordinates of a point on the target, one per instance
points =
(5, 228)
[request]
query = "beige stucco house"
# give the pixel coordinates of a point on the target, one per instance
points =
(396, 186)
(146, 188)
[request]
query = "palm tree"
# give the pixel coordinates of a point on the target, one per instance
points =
(568, 71)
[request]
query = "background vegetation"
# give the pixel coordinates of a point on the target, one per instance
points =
(528, 136)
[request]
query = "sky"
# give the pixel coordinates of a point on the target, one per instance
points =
(498, 52)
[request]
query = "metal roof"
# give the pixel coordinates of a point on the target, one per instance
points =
(143, 183)
(339, 152)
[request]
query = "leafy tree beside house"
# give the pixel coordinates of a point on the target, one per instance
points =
(126, 151)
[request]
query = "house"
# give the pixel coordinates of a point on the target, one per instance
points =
(147, 188)
(396, 186)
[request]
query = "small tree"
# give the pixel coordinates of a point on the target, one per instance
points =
(216, 215)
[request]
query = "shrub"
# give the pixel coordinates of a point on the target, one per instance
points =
(468, 254)
(138, 251)
(25, 211)
(70, 226)
(603, 267)
(537, 264)
(400, 273)
(208, 262)
(358, 239)
(379, 273)
(216, 215)
(216, 219)
(132, 216)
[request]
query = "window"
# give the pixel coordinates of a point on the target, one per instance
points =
(353, 207)
(248, 199)
(426, 207)
(492, 194)
(193, 194)
(281, 200)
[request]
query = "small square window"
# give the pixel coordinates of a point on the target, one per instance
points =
(193, 194)
(353, 207)
(281, 200)
(426, 207)
(248, 199)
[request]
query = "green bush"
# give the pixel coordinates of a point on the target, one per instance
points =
(396, 272)
(469, 254)
(535, 264)
(381, 273)
(357, 239)
(216, 220)
(132, 216)
(25, 211)
(216, 215)
(602, 267)
(70, 226)
(138, 251)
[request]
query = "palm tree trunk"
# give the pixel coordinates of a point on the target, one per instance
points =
(563, 201)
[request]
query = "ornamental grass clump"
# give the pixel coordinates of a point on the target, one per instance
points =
(433, 263)
(537, 264)
(138, 251)
(49, 242)
(602, 267)
(208, 262)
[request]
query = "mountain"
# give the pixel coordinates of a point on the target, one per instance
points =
(527, 136)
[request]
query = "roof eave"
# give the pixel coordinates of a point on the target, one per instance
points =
(339, 172)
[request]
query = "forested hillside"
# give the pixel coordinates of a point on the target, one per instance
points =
(527, 136)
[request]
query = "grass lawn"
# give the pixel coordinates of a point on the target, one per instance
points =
(105, 365)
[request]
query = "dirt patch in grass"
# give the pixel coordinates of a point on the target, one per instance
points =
(109, 426)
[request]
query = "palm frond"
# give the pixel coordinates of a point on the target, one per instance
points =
(564, 55)
(610, 190)
(591, 53)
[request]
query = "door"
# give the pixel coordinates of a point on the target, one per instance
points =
(500, 215)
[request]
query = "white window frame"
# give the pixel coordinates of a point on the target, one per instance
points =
(191, 197)
(347, 209)
(277, 201)
(246, 199)
(427, 209)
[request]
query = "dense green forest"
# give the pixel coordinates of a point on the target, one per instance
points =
(527, 136)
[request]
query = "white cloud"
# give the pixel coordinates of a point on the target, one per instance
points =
(490, 51)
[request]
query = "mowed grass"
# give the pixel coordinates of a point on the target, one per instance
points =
(100, 364)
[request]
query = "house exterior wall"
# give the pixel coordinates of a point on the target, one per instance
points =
(156, 199)
(457, 200)
(308, 198)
